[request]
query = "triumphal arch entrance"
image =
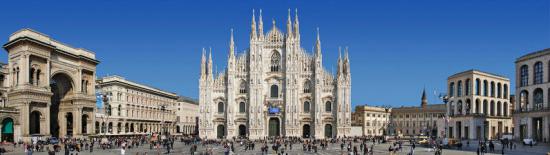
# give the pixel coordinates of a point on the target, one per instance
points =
(51, 84)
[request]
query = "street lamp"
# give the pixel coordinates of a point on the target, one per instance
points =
(446, 99)
(106, 112)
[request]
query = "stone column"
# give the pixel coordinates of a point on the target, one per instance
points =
(62, 123)
(529, 127)
(77, 121)
(25, 116)
(546, 128)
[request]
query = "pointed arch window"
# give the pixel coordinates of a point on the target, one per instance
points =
(275, 61)
(242, 87)
(307, 86)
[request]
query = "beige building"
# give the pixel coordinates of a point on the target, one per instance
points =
(426, 119)
(373, 120)
(479, 106)
(188, 115)
(133, 108)
(532, 111)
(51, 86)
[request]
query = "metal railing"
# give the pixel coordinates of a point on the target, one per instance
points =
(528, 110)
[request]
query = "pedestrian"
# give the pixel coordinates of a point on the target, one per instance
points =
(122, 151)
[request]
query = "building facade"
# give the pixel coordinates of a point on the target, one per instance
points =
(187, 116)
(50, 85)
(479, 105)
(131, 108)
(274, 88)
(532, 111)
(425, 120)
(373, 120)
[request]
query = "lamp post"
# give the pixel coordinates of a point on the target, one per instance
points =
(446, 99)
(106, 112)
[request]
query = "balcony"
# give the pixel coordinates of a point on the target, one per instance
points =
(532, 110)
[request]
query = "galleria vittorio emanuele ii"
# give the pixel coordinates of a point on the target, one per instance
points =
(275, 88)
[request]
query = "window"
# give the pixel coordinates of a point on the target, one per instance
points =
(478, 87)
(306, 106)
(242, 107)
(499, 90)
(451, 89)
(328, 106)
(538, 98)
(220, 107)
(274, 91)
(242, 87)
(119, 109)
(275, 61)
(524, 76)
(307, 86)
(459, 89)
(523, 100)
(537, 79)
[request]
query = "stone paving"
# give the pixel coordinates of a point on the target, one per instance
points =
(333, 149)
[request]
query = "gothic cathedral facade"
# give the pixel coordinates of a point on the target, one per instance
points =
(275, 88)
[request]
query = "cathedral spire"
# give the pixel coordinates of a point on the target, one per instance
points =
(203, 63)
(318, 45)
(253, 25)
(346, 62)
(210, 63)
(339, 61)
(231, 46)
(289, 25)
(296, 25)
(424, 102)
(261, 25)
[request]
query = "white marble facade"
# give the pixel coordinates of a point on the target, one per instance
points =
(274, 88)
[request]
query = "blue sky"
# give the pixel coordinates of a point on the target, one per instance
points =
(397, 48)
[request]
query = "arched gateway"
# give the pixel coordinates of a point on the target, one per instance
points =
(52, 85)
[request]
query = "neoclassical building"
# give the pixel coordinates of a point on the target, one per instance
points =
(50, 85)
(274, 88)
(187, 115)
(373, 120)
(532, 113)
(426, 119)
(134, 108)
(479, 105)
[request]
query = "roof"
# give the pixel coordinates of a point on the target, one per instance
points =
(478, 71)
(188, 99)
(31, 34)
(534, 55)
(122, 80)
